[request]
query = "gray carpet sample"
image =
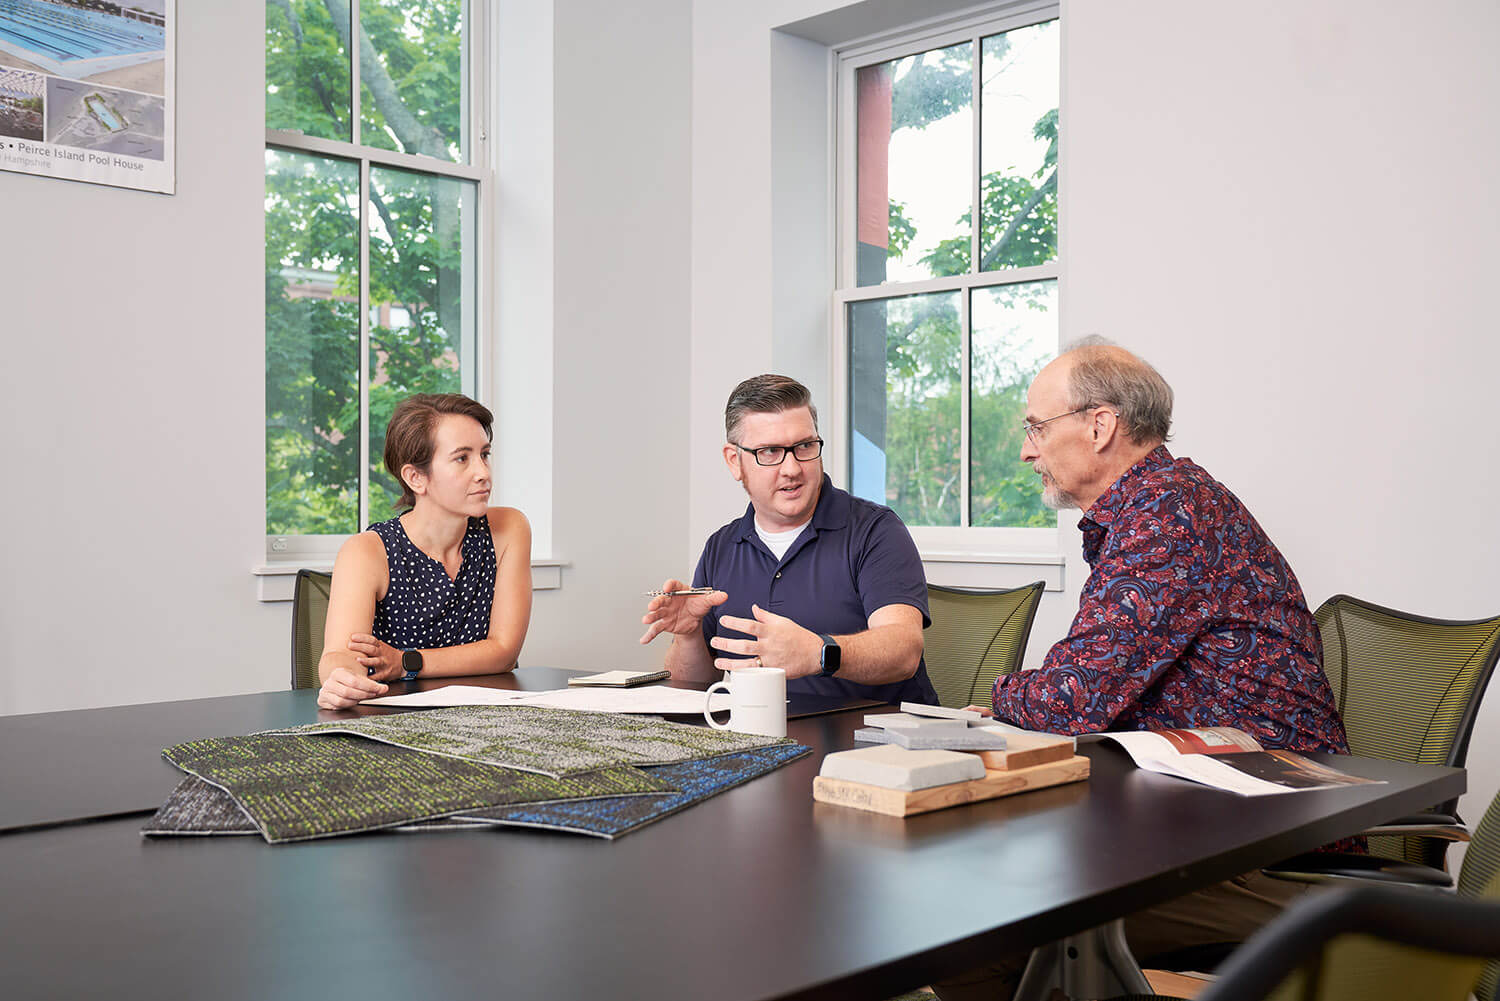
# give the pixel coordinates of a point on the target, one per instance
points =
(552, 742)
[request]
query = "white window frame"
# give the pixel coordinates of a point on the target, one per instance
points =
(319, 550)
(936, 543)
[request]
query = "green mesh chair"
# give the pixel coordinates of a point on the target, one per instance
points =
(1478, 878)
(1409, 689)
(1371, 942)
(309, 612)
(975, 637)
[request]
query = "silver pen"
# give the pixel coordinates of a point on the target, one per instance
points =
(684, 592)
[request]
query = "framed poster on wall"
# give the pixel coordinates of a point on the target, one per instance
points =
(87, 91)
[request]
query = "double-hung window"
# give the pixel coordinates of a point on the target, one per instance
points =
(947, 270)
(374, 185)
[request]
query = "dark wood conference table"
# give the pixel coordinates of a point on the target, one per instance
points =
(757, 893)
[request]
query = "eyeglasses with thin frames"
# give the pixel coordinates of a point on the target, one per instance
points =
(775, 455)
(1032, 427)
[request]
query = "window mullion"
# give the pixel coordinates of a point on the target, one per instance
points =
(354, 82)
(976, 180)
(976, 227)
(364, 344)
(964, 404)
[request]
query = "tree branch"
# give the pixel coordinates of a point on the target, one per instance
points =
(1015, 223)
(416, 138)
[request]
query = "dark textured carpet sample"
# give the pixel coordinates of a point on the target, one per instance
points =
(199, 807)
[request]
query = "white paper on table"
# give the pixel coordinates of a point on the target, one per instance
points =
(652, 699)
(451, 695)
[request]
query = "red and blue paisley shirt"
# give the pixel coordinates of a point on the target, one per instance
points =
(1190, 617)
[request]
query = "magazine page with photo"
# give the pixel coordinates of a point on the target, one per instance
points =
(1228, 758)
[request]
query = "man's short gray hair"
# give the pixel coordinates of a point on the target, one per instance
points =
(1105, 373)
(765, 394)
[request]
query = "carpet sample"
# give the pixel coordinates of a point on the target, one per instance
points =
(299, 787)
(554, 742)
(612, 817)
(197, 807)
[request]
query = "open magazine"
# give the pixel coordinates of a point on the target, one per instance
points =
(1227, 758)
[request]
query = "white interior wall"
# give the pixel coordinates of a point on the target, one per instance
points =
(622, 94)
(132, 394)
(1287, 208)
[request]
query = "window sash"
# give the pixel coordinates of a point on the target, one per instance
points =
(475, 109)
(848, 61)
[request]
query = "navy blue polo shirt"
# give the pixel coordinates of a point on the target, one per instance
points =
(855, 557)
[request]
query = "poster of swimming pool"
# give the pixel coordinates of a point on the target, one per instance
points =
(87, 91)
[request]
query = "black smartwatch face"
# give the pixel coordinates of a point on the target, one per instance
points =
(831, 653)
(411, 660)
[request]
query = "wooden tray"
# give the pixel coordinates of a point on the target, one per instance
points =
(898, 803)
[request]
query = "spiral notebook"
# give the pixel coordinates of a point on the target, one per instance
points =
(620, 679)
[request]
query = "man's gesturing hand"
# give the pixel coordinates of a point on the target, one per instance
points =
(680, 616)
(776, 640)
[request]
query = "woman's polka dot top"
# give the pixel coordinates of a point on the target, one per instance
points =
(423, 609)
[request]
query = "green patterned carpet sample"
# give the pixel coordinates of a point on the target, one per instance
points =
(197, 807)
(296, 787)
(554, 742)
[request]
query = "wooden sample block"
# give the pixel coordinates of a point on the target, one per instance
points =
(1022, 750)
(905, 803)
(897, 768)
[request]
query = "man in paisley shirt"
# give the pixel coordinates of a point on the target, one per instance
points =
(1190, 617)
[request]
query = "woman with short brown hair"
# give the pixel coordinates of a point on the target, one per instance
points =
(443, 589)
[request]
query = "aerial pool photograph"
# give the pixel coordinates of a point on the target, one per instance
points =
(70, 39)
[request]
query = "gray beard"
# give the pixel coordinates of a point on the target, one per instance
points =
(1058, 499)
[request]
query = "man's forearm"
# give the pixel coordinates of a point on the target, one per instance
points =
(880, 655)
(688, 659)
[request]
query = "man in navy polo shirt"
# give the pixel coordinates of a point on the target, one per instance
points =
(824, 585)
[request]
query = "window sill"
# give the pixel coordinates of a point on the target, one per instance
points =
(993, 569)
(275, 580)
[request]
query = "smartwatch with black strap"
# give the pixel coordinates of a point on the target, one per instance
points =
(829, 658)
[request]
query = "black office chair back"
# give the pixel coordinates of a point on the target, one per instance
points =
(975, 637)
(309, 612)
(1367, 943)
(1409, 689)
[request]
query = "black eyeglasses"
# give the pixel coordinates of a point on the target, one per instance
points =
(775, 455)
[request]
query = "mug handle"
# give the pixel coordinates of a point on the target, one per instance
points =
(708, 700)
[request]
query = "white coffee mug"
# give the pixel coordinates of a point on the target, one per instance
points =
(757, 701)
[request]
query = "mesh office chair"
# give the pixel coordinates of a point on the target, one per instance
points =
(1478, 877)
(1400, 942)
(309, 612)
(975, 637)
(1367, 943)
(1409, 689)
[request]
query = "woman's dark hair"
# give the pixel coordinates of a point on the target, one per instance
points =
(410, 437)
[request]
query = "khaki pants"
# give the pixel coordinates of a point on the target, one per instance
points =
(1226, 912)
